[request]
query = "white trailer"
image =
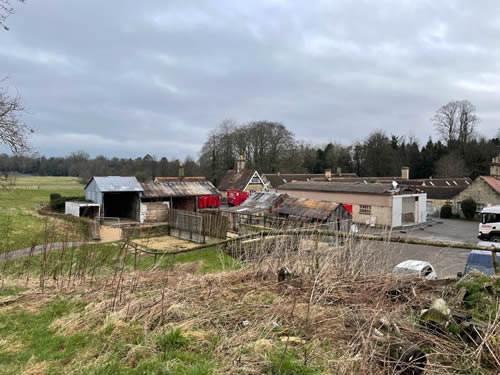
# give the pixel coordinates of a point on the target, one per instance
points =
(82, 209)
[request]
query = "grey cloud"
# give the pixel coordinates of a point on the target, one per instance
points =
(128, 78)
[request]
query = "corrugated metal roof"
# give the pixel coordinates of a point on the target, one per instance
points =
(339, 187)
(116, 184)
(171, 179)
(308, 208)
(169, 189)
(455, 182)
(278, 179)
(257, 202)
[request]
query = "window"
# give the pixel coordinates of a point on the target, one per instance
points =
(490, 218)
(255, 180)
(365, 209)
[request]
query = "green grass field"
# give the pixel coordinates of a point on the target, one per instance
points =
(59, 184)
(20, 225)
(30, 338)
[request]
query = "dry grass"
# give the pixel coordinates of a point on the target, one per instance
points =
(335, 312)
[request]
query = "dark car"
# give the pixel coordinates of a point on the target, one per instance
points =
(481, 260)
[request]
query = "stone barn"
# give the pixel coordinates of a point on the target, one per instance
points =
(118, 197)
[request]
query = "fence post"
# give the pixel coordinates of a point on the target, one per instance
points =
(495, 263)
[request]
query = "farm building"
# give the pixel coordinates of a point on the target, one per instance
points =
(484, 190)
(372, 203)
(117, 196)
(335, 215)
(253, 210)
(186, 195)
(239, 183)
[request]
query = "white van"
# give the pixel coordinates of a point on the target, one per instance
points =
(489, 226)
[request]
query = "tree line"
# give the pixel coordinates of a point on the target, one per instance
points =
(270, 147)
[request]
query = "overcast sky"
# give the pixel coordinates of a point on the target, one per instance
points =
(126, 78)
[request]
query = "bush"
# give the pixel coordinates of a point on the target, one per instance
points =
(54, 196)
(469, 208)
(58, 204)
(445, 212)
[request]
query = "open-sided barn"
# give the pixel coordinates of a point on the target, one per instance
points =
(184, 195)
(118, 196)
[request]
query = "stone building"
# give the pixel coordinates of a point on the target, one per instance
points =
(484, 190)
(373, 204)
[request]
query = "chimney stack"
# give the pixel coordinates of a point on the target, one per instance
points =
(328, 174)
(240, 164)
(405, 173)
(339, 171)
(495, 167)
(181, 170)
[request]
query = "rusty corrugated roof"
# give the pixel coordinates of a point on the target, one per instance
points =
(169, 189)
(308, 208)
(161, 179)
(257, 202)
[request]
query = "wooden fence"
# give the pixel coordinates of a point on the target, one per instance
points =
(198, 225)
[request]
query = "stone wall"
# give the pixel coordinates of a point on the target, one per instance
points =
(480, 191)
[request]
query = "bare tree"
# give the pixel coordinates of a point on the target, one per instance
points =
(456, 121)
(13, 131)
(6, 9)
(468, 121)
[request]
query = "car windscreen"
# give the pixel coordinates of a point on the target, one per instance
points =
(481, 262)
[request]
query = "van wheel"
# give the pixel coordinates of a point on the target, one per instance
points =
(495, 238)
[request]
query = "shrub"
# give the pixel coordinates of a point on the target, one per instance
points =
(445, 212)
(59, 203)
(54, 196)
(172, 340)
(469, 208)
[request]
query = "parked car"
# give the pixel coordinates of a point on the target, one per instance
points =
(416, 267)
(481, 260)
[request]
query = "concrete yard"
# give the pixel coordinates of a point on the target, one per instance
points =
(446, 261)
(166, 243)
(451, 230)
